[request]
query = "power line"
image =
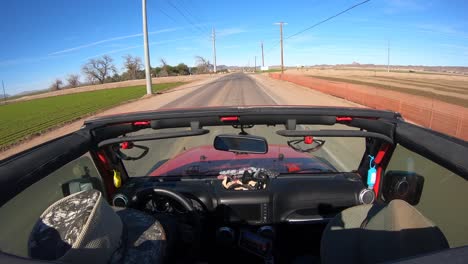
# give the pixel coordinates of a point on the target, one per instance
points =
(176, 21)
(185, 17)
(194, 17)
(273, 47)
(319, 23)
(168, 16)
(325, 20)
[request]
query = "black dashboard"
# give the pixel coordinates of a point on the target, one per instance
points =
(290, 198)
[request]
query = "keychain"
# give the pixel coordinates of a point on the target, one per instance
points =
(371, 173)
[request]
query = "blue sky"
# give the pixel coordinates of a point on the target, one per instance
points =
(48, 39)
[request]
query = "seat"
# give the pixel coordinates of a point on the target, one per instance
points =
(378, 233)
(83, 228)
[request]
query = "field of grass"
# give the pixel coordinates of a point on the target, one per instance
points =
(270, 70)
(22, 119)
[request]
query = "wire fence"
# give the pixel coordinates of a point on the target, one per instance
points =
(437, 115)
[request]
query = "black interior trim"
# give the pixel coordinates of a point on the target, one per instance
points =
(24, 169)
(332, 133)
(378, 126)
(446, 151)
(457, 255)
(209, 116)
(196, 132)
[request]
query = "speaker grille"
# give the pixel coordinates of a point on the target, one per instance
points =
(366, 196)
(120, 200)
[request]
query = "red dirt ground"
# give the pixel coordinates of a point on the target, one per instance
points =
(437, 115)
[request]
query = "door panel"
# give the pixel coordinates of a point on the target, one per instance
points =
(444, 194)
(442, 162)
(19, 214)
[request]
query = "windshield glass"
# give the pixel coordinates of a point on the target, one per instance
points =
(114, 57)
(196, 156)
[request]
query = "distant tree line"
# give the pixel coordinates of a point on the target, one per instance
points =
(103, 70)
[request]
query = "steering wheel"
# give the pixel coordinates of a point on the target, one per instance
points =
(141, 196)
(192, 217)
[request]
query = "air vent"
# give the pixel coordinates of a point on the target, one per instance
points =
(267, 232)
(225, 237)
(120, 200)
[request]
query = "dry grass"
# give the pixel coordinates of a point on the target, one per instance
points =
(449, 88)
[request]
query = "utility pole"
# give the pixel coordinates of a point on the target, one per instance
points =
(4, 93)
(388, 55)
(146, 47)
(281, 41)
(255, 69)
(214, 50)
(263, 58)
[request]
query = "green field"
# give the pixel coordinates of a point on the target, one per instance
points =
(22, 119)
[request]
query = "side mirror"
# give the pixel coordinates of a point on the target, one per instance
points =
(241, 144)
(403, 185)
(78, 185)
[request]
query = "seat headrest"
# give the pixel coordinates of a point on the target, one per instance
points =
(398, 215)
(78, 228)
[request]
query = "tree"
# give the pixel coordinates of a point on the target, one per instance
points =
(203, 65)
(115, 78)
(56, 85)
(164, 68)
(157, 71)
(99, 69)
(182, 69)
(133, 66)
(73, 80)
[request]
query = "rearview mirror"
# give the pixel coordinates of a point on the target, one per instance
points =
(241, 144)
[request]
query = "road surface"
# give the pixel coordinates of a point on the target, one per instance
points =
(234, 90)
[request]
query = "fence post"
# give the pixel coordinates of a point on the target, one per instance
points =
(431, 116)
(459, 125)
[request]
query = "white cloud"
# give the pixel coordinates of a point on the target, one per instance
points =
(19, 61)
(139, 46)
(236, 46)
(185, 48)
(437, 28)
(110, 40)
(300, 39)
(397, 6)
(229, 31)
(114, 51)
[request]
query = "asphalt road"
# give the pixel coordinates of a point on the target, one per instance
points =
(233, 90)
